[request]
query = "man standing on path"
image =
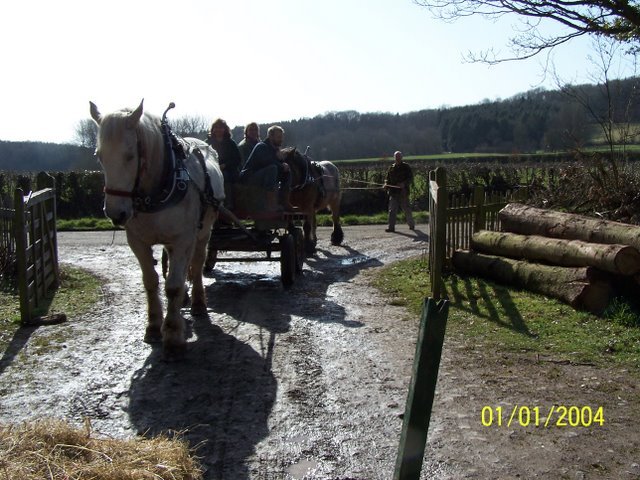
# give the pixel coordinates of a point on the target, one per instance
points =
(397, 183)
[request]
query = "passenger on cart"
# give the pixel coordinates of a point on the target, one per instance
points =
(250, 140)
(229, 157)
(265, 169)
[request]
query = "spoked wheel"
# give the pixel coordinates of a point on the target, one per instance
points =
(287, 260)
(298, 238)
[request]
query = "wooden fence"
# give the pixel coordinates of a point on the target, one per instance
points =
(36, 247)
(7, 243)
(437, 228)
(454, 218)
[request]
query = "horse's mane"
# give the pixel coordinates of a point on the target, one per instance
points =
(114, 127)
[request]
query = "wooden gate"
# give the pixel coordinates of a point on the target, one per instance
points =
(455, 218)
(36, 246)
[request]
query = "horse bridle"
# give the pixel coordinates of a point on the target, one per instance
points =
(176, 184)
(136, 185)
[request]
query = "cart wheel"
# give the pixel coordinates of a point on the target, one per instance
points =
(287, 260)
(298, 239)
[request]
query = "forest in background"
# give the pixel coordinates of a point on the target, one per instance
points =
(535, 121)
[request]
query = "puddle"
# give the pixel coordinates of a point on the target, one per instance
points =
(355, 260)
(300, 469)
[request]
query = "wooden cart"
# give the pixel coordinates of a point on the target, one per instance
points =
(275, 236)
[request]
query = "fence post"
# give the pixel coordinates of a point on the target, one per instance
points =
(417, 414)
(479, 219)
(20, 231)
(437, 228)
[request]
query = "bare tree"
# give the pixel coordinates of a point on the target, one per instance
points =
(190, 126)
(618, 19)
(86, 133)
(613, 185)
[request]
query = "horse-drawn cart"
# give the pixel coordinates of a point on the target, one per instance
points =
(273, 235)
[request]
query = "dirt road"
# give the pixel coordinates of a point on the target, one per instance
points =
(307, 383)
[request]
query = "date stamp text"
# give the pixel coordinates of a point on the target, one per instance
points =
(546, 417)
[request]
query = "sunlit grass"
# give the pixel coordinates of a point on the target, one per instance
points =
(78, 292)
(506, 319)
(87, 223)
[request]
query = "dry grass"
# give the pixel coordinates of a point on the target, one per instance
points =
(53, 450)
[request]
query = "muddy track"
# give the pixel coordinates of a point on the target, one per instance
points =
(306, 383)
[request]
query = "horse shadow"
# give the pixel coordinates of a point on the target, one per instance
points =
(218, 398)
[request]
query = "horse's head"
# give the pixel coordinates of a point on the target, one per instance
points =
(122, 151)
(297, 164)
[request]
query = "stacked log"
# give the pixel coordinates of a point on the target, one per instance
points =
(582, 288)
(613, 258)
(569, 257)
(527, 220)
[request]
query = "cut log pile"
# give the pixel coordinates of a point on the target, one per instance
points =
(574, 258)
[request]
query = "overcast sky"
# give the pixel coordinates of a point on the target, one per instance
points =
(248, 60)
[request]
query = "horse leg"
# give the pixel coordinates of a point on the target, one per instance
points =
(173, 327)
(337, 235)
(314, 228)
(309, 246)
(198, 296)
(144, 254)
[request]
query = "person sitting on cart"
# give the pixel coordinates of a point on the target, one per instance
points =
(229, 157)
(250, 140)
(265, 169)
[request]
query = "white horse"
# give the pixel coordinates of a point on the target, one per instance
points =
(156, 188)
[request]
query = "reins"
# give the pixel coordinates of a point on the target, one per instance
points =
(377, 186)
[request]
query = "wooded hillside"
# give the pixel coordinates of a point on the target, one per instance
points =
(528, 122)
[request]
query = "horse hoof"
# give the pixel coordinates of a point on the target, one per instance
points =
(337, 237)
(152, 335)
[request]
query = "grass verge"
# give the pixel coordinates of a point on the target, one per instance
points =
(78, 292)
(504, 319)
(324, 220)
(87, 223)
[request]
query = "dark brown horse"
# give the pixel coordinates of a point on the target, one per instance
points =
(314, 186)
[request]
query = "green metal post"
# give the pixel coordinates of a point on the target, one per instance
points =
(417, 415)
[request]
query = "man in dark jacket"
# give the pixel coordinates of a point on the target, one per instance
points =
(265, 169)
(397, 183)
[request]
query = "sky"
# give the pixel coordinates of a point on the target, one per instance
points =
(250, 60)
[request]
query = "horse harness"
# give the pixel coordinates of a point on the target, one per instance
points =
(312, 175)
(175, 176)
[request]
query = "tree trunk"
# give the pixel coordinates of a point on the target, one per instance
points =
(612, 258)
(584, 288)
(527, 220)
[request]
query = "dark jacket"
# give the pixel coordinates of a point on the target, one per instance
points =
(262, 155)
(246, 147)
(228, 157)
(399, 173)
